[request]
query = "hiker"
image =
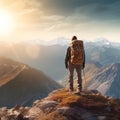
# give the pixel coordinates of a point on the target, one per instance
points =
(75, 59)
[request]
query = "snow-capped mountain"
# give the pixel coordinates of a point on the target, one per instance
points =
(102, 41)
(66, 41)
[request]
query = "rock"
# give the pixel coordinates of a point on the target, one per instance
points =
(48, 106)
(36, 102)
(76, 113)
(17, 107)
(60, 104)
(108, 108)
(4, 118)
(96, 92)
(4, 109)
(20, 117)
(101, 117)
(33, 113)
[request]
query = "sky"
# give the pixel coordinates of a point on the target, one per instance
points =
(51, 19)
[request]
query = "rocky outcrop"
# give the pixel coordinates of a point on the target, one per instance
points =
(62, 105)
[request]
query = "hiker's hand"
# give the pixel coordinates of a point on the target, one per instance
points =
(66, 65)
(83, 66)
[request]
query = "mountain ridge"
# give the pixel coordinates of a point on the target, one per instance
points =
(105, 80)
(23, 85)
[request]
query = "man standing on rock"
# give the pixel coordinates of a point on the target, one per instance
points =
(75, 59)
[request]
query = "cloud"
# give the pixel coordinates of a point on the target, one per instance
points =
(65, 17)
(75, 11)
(58, 13)
(67, 7)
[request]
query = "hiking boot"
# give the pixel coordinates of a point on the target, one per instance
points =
(70, 90)
(78, 93)
(79, 90)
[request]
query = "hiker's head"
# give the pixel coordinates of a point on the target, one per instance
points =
(74, 38)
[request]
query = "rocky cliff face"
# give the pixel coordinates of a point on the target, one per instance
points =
(62, 105)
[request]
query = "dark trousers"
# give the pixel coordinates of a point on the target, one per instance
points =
(71, 75)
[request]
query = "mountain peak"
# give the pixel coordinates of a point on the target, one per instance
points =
(62, 105)
(115, 66)
(111, 70)
(106, 80)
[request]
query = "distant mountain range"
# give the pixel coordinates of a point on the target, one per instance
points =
(21, 84)
(104, 54)
(65, 41)
(50, 57)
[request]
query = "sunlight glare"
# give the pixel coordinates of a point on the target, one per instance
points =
(6, 22)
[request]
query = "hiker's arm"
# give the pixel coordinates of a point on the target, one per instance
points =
(67, 58)
(84, 59)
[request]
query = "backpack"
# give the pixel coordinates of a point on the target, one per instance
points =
(77, 52)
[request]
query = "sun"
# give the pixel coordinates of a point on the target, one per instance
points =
(6, 22)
